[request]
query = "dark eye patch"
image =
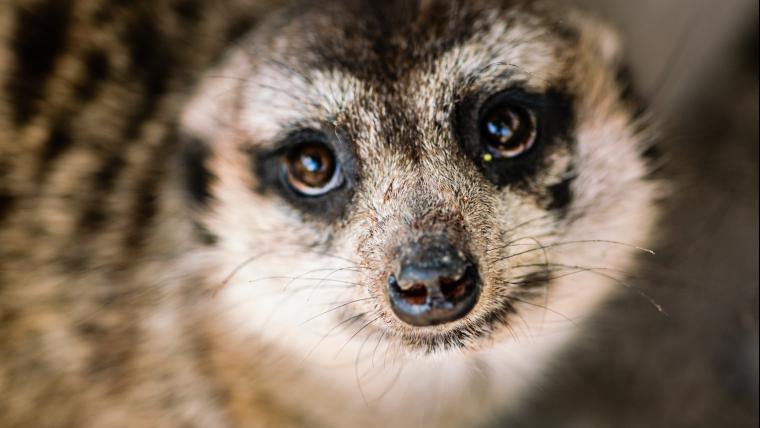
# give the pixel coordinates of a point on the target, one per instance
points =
(267, 166)
(194, 154)
(554, 120)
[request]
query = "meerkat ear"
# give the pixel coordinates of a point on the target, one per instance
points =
(611, 45)
(598, 35)
(607, 40)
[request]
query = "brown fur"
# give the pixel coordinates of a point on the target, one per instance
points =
(128, 302)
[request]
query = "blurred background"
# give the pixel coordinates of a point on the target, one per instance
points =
(694, 65)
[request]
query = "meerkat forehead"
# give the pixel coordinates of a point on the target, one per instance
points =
(403, 60)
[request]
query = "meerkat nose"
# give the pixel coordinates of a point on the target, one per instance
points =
(436, 283)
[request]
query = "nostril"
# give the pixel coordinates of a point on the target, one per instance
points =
(456, 288)
(416, 294)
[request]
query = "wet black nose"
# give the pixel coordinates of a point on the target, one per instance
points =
(436, 283)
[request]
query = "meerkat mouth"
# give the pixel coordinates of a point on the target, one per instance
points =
(468, 334)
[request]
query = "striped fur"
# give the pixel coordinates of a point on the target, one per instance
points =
(90, 94)
(133, 220)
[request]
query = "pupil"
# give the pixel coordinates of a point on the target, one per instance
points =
(507, 132)
(500, 130)
(311, 163)
(311, 169)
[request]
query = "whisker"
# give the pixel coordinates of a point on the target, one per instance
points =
(637, 289)
(595, 271)
(365, 325)
(391, 384)
(303, 275)
(547, 308)
(347, 320)
(237, 269)
(582, 241)
(274, 277)
(335, 308)
(357, 360)
(326, 278)
(377, 345)
(527, 222)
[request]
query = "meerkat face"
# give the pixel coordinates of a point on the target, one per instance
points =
(426, 177)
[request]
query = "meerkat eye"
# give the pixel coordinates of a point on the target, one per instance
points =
(311, 169)
(510, 134)
(507, 131)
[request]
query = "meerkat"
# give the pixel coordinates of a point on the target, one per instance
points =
(355, 214)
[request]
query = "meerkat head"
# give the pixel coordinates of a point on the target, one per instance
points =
(431, 177)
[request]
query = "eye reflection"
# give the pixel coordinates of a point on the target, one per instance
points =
(508, 131)
(311, 169)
